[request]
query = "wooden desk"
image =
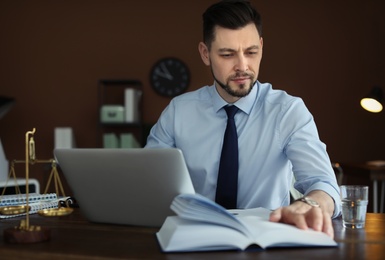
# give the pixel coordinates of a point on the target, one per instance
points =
(75, 238)
(358, 173)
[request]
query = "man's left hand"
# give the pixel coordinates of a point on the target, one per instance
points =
(304, 216)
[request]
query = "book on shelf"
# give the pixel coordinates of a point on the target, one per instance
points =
(203, 225)
(132, 105)
(64, 137)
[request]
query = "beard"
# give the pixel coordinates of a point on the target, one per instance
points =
(242, 90)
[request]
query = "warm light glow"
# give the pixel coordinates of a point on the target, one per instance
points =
(371, 105)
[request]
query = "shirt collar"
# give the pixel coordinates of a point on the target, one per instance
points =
(245, 104)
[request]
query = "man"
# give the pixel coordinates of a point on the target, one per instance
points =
(277, 136)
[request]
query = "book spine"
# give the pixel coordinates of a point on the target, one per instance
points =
(64, 137)
(131, 105)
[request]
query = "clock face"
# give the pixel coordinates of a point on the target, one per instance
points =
(169, 77)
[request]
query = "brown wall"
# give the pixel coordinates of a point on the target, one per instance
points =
(52, 53)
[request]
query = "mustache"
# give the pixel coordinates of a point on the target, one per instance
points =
(241, 75)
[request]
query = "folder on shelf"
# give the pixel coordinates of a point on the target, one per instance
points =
(128, 140)
(110, 140)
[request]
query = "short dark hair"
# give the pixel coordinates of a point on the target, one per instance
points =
(230, 14)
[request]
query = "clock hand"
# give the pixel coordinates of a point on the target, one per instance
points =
(162, 74)
(165, 70)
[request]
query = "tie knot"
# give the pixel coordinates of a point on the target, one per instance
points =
(231, 111)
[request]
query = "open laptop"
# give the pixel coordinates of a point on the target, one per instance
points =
(125, 186)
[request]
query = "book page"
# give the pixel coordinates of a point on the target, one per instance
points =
(198, 208)
(203, 225)
(261, 213)
(271, 234)
(181, 235)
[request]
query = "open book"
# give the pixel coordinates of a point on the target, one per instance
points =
(203, 225)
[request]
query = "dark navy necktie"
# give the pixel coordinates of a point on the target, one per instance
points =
(227, 183)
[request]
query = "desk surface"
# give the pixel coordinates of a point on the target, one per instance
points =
(75, 238)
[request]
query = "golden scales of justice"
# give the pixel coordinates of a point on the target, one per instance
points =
(26, 233)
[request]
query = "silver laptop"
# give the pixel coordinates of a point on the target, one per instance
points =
(125, 186)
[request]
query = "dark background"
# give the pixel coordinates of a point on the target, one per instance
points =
(52, 54)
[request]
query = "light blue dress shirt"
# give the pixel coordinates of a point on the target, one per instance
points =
(277, 137)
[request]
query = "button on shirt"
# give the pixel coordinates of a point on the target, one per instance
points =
(277, 137)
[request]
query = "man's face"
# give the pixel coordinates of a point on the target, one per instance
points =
(234, 58)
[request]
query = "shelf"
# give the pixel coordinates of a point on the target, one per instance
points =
(121, 124)
(115, 94)
(120, 82)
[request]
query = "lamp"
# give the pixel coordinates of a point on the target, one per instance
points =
(5, 104)
(373, 101)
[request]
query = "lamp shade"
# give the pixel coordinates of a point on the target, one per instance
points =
(5, 104)
(373, 102)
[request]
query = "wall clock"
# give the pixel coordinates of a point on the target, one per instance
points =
(169, 77)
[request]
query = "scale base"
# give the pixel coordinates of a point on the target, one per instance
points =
(21, 236)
